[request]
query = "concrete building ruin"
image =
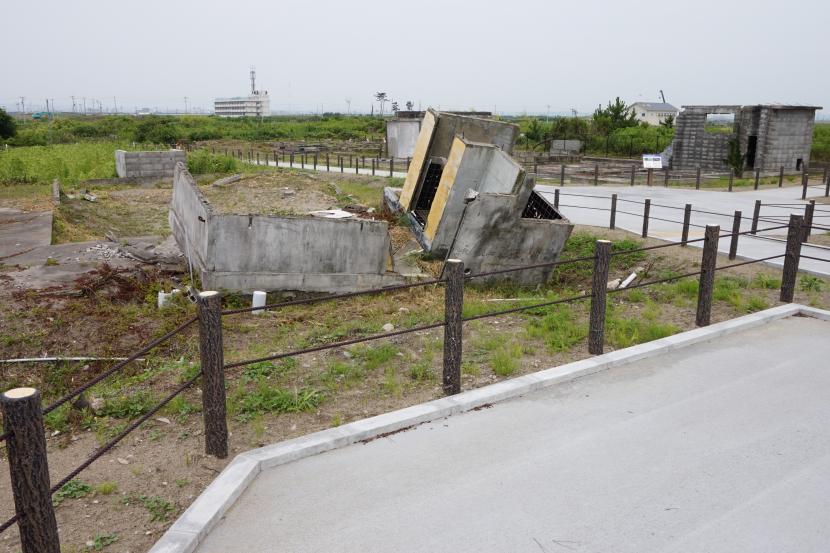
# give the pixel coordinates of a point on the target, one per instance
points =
(770, 136)
(246, 252)
(465, 197)
(402, 131)
(147, 164)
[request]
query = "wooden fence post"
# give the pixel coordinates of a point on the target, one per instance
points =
(328, 165)
(291, 160)
(666, 177)
(633, 174)
(646, 209)
(781, 177)
(807, 225)
(805, 179)
(757, 178)
(596, 328)
(556, 198)
(453, 304)
(697, 179)
(649, 176)
(29, 471)
(736, 228)
(687, 221)
(613, 221)
(792, 253)
(824, 175)
(211, 353)
(315, 161)
(391, 167)
(707, 275)
(596, 174)
(373, 167)
(756, 214)
(257, 158)
(341, 163)
(356, 166)
(731, 178)
(827, 187)
(562, 175)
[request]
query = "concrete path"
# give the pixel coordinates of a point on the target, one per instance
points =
(721, 446)
(22, 231)
(669, 206)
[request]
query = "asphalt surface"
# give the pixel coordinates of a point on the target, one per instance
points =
(722, 446)
(590, 205)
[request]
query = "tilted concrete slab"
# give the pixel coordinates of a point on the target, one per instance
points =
(713, 437)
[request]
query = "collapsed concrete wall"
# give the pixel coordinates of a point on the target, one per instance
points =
(148, 164)
(471, 201)
(244, 252)
(769, 136)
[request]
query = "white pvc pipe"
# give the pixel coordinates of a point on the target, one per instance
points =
(258, 301)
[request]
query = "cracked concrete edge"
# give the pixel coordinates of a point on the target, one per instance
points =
(212, 504)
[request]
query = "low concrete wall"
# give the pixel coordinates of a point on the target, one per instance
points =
(148, 164)
(260, 252)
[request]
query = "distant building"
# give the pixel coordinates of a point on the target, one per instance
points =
(770, 136)
(654, 113)
(256, 104)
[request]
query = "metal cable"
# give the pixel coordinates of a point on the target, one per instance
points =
(334, 297)
(117, 367)
(528, 267)
(649, 283)
(814, 258)
(332, 345)
(750, 262)
(525, 307)
(121, 435)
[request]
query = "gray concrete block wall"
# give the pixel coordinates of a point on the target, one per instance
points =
(259, 252)
(148, 164)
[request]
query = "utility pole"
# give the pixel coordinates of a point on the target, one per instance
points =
(22, 104)
(73, 104)
(114, 104)
(185, 105)
(548, 115)
(84, 99)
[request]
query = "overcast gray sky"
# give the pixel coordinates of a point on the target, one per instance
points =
(510, 55)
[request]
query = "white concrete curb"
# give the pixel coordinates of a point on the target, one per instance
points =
(195, 523)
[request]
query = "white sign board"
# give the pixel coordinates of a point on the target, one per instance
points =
(652, 161)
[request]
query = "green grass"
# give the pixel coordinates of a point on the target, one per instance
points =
(245, 404)
(70, 163)
(106, 488)
(74, 489)
(506, 359)
(100, 541)
(558, 328)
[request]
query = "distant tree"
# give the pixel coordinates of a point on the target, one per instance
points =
(409, 105)
(8, 128)
(382, 98)
(395, 107)
(668, 122)
(616, 115)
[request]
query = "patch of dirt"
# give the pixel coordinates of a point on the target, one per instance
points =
(269, 194)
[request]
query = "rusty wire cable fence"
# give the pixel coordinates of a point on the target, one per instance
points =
(23, 412)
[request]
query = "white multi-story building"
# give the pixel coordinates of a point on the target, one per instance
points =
(256, 104)
(654, 113)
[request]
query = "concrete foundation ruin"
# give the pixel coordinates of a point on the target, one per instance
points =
(148, 164)
(466, 198)
(247, 252)
(770, 136)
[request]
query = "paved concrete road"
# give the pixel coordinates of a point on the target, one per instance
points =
(574, 208)
(722, 446)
